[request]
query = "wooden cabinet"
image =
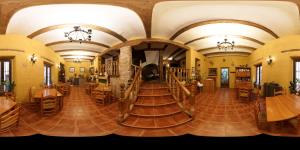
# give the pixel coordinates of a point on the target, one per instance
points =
(242, 74)
(209, 85)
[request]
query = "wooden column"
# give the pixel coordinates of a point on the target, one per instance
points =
(161, 65)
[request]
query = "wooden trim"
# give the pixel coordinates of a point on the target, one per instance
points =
(290, 50)
(77, 55)
(179, 54)
(295, 57)
(8, 49)
(138, 41)
(85, 42)
(242, 22)
(47, 59)
(215, 53)
(173, 53)
(66, 50)
(94, 27)
(236, 46)
(6, 57)
(238, 36)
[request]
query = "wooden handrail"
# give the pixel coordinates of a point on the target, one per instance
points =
(185, 98)
(136, 77)
(129, 96)
(187, 92)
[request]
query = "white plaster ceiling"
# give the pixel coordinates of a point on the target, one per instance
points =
(120, 20)
(278, 16)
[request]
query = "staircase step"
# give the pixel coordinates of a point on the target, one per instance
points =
(154, 86)
(155, 111)
(154, 95)
(156, 123)
(166, 110)
(155, 101)
(154, 91)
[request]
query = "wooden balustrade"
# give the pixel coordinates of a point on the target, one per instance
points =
(184, 97)
(112, 69)
(129, 96)
(181, 73)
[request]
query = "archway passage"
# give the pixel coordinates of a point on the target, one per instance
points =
(150, 72)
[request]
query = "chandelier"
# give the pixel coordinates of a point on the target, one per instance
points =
(79, 34)
(77, 60)
(225, 45)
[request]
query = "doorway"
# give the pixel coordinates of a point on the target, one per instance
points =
(224, 77)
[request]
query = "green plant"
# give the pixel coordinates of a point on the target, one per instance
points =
(9, 85)
(292, 87)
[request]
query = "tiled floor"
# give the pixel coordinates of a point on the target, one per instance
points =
(218, 114)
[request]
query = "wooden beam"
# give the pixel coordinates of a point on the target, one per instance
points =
(236, 46)
(242, 22)
(67, 50)
(238, 36)
(85, 42)
(90, 26)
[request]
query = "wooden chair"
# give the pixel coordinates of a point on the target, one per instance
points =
(99, 96)
(245, 93)
(10, 95)
(32, 91)
(281, 91)
(255, 93)
(49, 105)
(260, 116)
(10, 119)
(67, 89)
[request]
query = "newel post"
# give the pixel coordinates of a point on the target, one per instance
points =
(122, 103)
(193, 99)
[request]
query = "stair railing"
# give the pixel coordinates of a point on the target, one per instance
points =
(112, 69)
(185, 98)
(181, 73)
(129, 96)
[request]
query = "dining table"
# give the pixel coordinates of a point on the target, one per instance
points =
(282, 107)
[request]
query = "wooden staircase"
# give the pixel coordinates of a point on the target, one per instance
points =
(155, 108)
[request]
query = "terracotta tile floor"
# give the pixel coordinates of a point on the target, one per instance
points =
(218, 114)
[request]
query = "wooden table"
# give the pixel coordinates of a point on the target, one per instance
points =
(9, 114)
(46, 92)
(6, 105)
(282, 107)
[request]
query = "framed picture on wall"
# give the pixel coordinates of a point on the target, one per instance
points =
(81, 69)
(72, 69)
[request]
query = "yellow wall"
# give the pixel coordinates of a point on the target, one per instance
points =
(281, 70)
(85, 64)
(25, 74)
(226, 61)
(191, 55)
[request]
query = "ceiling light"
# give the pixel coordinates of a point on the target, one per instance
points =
(225, 45)
(79, 34)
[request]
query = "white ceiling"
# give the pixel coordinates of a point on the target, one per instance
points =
(169, 17)
(117, 19)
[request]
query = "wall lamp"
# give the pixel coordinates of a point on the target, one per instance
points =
(269, 60)
(33, 58)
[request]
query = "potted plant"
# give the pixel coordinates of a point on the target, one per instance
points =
(9, 85)
(292, 87)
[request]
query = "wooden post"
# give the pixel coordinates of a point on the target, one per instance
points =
(192, 99)
(122, 103)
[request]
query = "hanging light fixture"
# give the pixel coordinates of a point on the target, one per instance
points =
(225, 45)
(77, 60)
(79, 35)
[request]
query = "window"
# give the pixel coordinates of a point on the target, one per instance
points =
(297, 73)
(5, 73)
(47, 74)
(5, 69)
(258, 75)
